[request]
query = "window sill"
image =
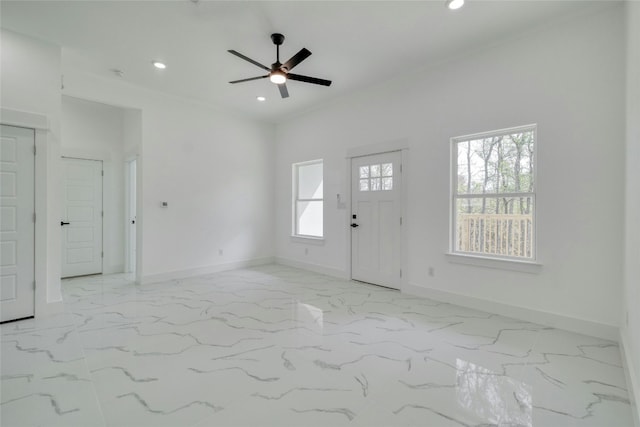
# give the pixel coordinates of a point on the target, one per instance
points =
(501, 264)
(308, 240)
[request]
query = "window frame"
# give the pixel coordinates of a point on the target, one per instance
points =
(295, 200)
(454, 197)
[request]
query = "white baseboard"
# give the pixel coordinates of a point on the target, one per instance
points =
(113, 269)
(200, 271)
(632, 372)
(581, 326)
(50, 308)
(334, 272)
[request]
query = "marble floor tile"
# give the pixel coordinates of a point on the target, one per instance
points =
(277, 346)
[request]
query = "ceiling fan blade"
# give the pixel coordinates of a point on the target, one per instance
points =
(308, 79)
(246, 58)
(296, 59)
(249, 79)
(283, 90)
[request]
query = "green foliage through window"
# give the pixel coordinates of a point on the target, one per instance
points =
(494, 193)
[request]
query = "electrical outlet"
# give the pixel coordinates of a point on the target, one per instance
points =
(431, 272)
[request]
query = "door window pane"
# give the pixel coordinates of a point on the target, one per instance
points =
(387, 183)
(370, 177)
(375, 184)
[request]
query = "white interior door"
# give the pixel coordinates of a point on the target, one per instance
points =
(17, 232)
(132, 216)
(81, 217)
(376, 219)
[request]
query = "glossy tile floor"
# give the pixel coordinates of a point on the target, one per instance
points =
(275, 346)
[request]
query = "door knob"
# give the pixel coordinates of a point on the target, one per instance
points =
(62, 223)
(354, 225)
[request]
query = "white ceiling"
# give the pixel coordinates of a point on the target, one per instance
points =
(355, 44)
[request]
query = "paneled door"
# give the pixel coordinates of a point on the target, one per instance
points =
(17, 232)
(81, 217)
(376, 208)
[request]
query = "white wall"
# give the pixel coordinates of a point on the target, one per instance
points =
(132, 132)
(30, 82)
(568, 78)
(214, 170)
(631, 301)
(95, 131)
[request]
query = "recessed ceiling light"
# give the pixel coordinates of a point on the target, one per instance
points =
(159, 65)
(454, 4)
(261, 98)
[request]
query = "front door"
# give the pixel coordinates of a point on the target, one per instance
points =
(81, 217)
(376, 219)
(17, 232)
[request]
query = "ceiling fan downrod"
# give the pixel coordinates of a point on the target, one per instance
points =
(277, 39)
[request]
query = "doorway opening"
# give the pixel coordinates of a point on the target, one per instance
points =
(131, 216)
(82, 217)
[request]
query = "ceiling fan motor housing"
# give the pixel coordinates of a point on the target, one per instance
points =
(277, 39)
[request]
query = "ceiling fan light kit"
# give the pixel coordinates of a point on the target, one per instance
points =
(277, 77)
(279, 73)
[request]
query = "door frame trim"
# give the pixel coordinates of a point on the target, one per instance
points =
(401, 145)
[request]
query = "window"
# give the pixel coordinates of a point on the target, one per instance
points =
(376, 177)
(308, 199)
(493, 194)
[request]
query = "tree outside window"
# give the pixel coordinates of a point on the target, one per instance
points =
(493, 194)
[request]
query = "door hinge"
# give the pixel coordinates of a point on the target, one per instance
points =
(400, 220)
(400, 167)
(102, 172)
(400, 272)
(102, 254)
(102, 214)
(34, 217)
(34, 284)
(34, 150)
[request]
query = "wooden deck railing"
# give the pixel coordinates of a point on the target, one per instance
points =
(496, 234)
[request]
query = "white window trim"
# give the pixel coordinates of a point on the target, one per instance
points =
(303, 238)
(528, 265)
(512, 264)
(308, 240)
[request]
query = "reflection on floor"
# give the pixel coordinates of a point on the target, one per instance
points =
(275, 346)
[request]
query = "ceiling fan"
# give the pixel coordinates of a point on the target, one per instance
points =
(279, 73)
